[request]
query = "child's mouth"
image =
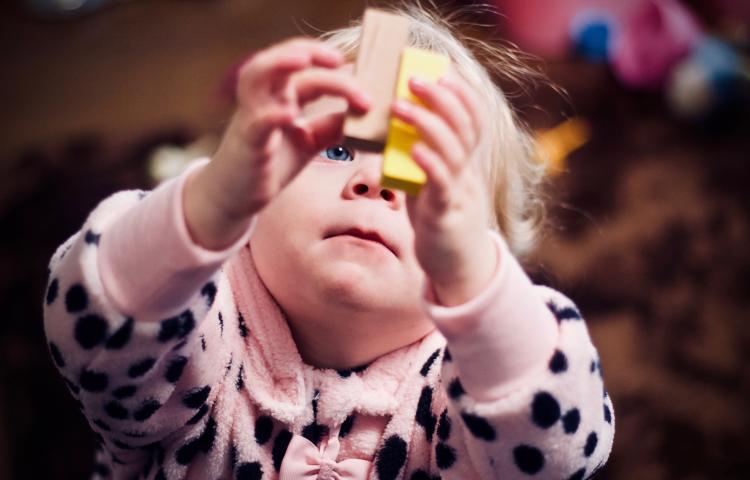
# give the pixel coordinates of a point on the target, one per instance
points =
(369, 235)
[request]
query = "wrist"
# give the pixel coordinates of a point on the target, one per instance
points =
(208, 223)
(471, 275)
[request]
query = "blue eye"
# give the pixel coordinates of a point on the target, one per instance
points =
(338, 153)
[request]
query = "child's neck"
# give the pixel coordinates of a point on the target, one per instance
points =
(357, 341)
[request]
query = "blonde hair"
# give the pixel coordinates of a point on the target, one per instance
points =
(513, 176)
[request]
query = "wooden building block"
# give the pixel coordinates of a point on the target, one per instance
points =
(384, 36)
(399, 170)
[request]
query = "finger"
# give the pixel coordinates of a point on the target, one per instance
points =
(262, 125)
(446, 104)
(438, 176)
(326, 129)
(434, 131)
(467, 96)
(277, 62)
(313, 84)
(314, 52)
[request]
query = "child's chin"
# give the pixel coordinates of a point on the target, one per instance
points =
(355, 282)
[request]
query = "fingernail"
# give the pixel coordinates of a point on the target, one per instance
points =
(365, 99)
(402, 106)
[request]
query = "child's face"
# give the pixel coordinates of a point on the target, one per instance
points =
(335, 240)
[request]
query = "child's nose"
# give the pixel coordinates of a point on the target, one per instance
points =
(365, 182)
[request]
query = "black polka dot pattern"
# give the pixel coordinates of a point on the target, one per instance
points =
(249, 471)
(126, 391)
(455, 389)
(571, 420)
(52, 290)
(607, 414)
(590, 446)
(76, 299)
(444, 426)
(176, 327)
(121, 337)
(90, 331)
(116, 410)
(314, 432)
(447, 355)
(545, 410)
(578, 475)
(101, 470)
(141, 367)
(445, 456)
(239, 383)
(391, 458)
(203, 443)
(209, 291)
(422, 475)
(263, 429)
(428, 364)
(564, 313)
(175, 367)
(280, 445)
(558, 363)
(92, 238)
(198, 415)
(241, 325)
(146, 409)
(424, 416)
(93, 381)
(346, 426)
(478, 426)
(528, 459)
(345, 373)
(196, 397)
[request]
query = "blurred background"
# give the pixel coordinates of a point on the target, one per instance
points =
(648, 193)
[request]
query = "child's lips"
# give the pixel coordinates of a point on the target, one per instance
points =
(364, 234)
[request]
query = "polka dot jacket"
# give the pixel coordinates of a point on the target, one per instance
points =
(184, 366)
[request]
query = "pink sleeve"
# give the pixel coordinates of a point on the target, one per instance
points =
(148, 262)
(508, 322)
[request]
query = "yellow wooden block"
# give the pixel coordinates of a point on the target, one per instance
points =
(399, 170)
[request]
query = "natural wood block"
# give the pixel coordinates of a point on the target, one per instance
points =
(384, 36)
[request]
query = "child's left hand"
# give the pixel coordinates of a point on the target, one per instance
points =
(449, 216)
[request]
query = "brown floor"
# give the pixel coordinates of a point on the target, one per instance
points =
(649, 234)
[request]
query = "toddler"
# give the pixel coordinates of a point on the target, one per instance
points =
(275, 313)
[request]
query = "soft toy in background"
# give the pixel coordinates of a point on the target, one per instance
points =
(651, 39)
(652, 45)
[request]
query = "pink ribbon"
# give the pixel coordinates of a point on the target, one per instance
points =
(303, 461)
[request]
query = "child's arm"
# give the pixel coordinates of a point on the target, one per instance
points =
(129, 349)
(524, 389)
(523, 398)
(268, 141)
(128, 311)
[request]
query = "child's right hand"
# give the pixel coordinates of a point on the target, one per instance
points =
(268, 141)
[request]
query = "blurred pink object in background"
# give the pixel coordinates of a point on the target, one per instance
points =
(542, 27)
(652, 39)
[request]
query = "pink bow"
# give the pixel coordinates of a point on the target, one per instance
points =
(303, 461)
